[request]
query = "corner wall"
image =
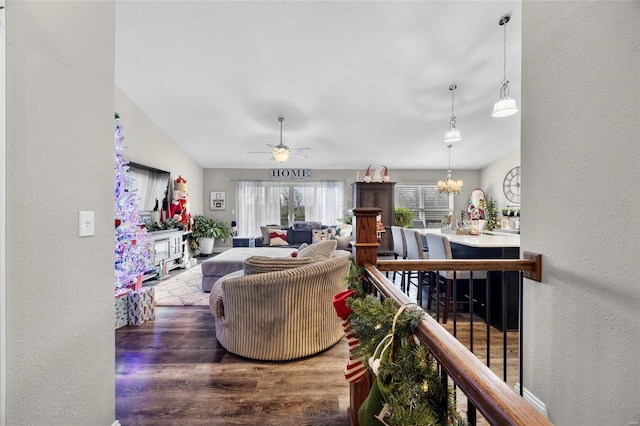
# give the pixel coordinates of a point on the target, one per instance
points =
(580, 166)
(59, 287)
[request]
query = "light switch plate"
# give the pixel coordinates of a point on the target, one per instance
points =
(85, 224)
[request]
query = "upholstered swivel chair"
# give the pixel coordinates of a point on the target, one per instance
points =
(399, 250)
(415, 251)
(440, 248)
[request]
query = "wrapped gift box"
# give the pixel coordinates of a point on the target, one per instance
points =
(142, 305)
(122, 310)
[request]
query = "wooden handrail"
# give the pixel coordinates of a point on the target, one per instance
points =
(455, 265)
(491, 396)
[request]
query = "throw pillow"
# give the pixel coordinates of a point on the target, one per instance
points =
(319, 235)
(278, 237)
(319, 251)
(343, 242)
(265, 235)
(260, 264)
(344, 230)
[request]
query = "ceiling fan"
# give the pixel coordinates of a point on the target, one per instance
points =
(281, 152)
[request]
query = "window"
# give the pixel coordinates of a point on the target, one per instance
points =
(268, 203)
(424, 200)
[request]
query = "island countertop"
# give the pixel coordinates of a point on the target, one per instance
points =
(482, 240)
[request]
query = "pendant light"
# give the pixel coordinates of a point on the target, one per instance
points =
(505, 105)
(450, 186)
(453, 134)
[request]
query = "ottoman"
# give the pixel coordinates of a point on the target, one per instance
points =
(233, 260)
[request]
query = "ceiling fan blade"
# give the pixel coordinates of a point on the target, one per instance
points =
(301, 149)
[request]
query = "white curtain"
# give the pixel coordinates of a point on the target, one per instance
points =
(257, 203)
(324, 201)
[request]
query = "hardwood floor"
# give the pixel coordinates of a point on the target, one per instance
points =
(172, 371)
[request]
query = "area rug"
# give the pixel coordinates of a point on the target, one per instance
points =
(183, 289)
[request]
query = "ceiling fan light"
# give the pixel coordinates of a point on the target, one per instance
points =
(281, 155)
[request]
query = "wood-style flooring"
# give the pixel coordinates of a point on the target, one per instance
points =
(172, 371)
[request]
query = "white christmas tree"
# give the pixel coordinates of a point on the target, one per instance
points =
(132, 251)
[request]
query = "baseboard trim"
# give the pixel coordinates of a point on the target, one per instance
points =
(532, 400)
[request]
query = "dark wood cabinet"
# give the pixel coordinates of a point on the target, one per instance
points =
(381, 195)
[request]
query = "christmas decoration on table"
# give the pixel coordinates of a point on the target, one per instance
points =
(386, 177)
(492, 215)
(407, 389)
(180, 208)
(132, 250)
(477, 205)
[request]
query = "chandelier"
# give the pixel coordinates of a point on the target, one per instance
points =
(450, 186)
(505, 106)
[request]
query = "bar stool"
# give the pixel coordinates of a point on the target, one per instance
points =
(440, 248)
(415, 251)
(399, 250)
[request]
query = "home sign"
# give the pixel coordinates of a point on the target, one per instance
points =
(290, 174)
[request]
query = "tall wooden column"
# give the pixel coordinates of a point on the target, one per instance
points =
(365, 250)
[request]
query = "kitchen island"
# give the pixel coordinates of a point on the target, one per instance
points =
(501, 297)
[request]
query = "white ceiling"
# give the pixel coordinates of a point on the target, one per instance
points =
(358, 82)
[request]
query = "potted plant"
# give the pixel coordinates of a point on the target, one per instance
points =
(403, 217)
(205, 231)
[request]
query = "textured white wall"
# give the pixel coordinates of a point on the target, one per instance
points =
(148, 144)
(60, 305)
(580, 166)
(492, 178)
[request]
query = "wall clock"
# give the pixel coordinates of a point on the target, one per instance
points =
(511, 185)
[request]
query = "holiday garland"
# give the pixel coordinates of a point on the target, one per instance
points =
(407, 376)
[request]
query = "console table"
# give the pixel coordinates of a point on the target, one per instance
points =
(167, 248)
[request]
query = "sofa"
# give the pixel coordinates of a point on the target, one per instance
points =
(303, 232)
(282, 314)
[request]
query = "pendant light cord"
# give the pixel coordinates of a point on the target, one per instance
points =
(452, 114)
(505, 52)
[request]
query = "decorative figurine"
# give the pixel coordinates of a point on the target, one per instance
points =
(367, 175)
(180, 204)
